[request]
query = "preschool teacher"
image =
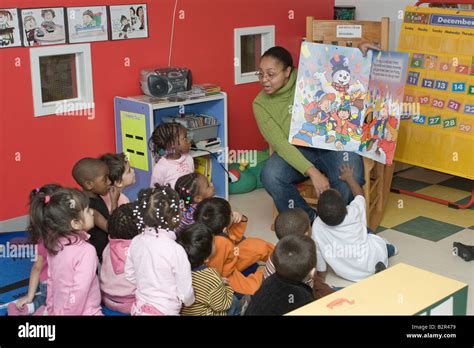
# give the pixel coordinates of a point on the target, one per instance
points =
(290, 164)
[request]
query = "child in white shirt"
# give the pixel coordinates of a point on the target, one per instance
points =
(341, 236)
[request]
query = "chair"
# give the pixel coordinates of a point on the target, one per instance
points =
(378, 177)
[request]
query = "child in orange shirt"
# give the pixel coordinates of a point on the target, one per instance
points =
(232, 256)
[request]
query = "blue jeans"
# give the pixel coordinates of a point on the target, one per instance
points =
(235, 308)
(279, 178)
(40, 299)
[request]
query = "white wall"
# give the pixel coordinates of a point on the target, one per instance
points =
(373, 10)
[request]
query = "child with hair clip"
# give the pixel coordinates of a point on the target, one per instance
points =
(28, 304)
(232, 258)
(118, 293)
(121, 175)
(64, 217)
(156, 264)
(213, 295)
(192, 188)
(170, 146)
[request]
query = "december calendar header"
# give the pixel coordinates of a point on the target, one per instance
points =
(440, 19)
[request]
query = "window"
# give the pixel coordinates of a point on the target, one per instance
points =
(62, 79)
(249, 45)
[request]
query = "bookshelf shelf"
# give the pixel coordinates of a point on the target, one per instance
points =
(136, 118)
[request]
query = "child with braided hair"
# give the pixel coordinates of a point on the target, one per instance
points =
(156, 264)
(118, 293)
(170, 146)
(192, 188)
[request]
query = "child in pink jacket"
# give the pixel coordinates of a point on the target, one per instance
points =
(64, 218)
(157, 265)
(118, 293)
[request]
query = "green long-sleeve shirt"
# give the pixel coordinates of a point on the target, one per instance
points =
(273, 115)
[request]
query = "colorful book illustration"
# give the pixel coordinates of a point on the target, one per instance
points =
(347, 102)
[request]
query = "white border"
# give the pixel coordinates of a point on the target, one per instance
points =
(85, 91)
(268, 41)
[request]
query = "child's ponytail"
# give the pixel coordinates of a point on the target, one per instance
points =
(52, 216)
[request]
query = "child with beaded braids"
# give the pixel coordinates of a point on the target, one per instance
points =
(192, 188)
(63, 219)
(170, 146)
(156, 264)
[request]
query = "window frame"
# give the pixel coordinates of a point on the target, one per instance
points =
(267, 41)
(85, 92)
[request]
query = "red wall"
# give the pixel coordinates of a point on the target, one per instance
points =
(35, 151)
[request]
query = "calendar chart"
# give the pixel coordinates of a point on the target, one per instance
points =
(436, 128)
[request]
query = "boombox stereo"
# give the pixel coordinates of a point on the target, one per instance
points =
(165, 81)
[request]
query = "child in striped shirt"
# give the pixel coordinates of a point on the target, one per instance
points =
(213, 296)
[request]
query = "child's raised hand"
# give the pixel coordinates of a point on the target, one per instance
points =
(347, 172)
(22, 301)
(236, 217)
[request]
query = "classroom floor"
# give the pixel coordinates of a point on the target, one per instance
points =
(423, 231)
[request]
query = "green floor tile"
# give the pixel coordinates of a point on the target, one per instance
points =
(459, 183)
(408, 184)
(380, 229)
(471, 228)
(426, 228)
(465, 200)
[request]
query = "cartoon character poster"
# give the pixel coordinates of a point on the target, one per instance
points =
(9, 28)
(339, 107)
(43, 26)
(86, 24)
(129, 21)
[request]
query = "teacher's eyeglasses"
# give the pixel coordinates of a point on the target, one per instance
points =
(270, 76)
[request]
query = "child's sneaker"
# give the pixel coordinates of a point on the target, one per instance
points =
(379, 267)
(463, 251)
(12, 310)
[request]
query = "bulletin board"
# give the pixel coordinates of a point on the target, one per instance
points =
(436, 128)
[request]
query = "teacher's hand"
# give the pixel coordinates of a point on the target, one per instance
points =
(365, 46)
(320, 182)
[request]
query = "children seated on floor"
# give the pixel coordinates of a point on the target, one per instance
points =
(121, 176)
(92, 175)
(118, 293)
(341, 235)
(284, 291)
(213, 296)
(156, 264)
(28, 304)
(292, 221)
(231, 258)
(170, 145)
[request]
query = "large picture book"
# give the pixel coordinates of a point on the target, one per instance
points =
(347, 102)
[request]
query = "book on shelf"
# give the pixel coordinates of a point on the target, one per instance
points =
(203, 165)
